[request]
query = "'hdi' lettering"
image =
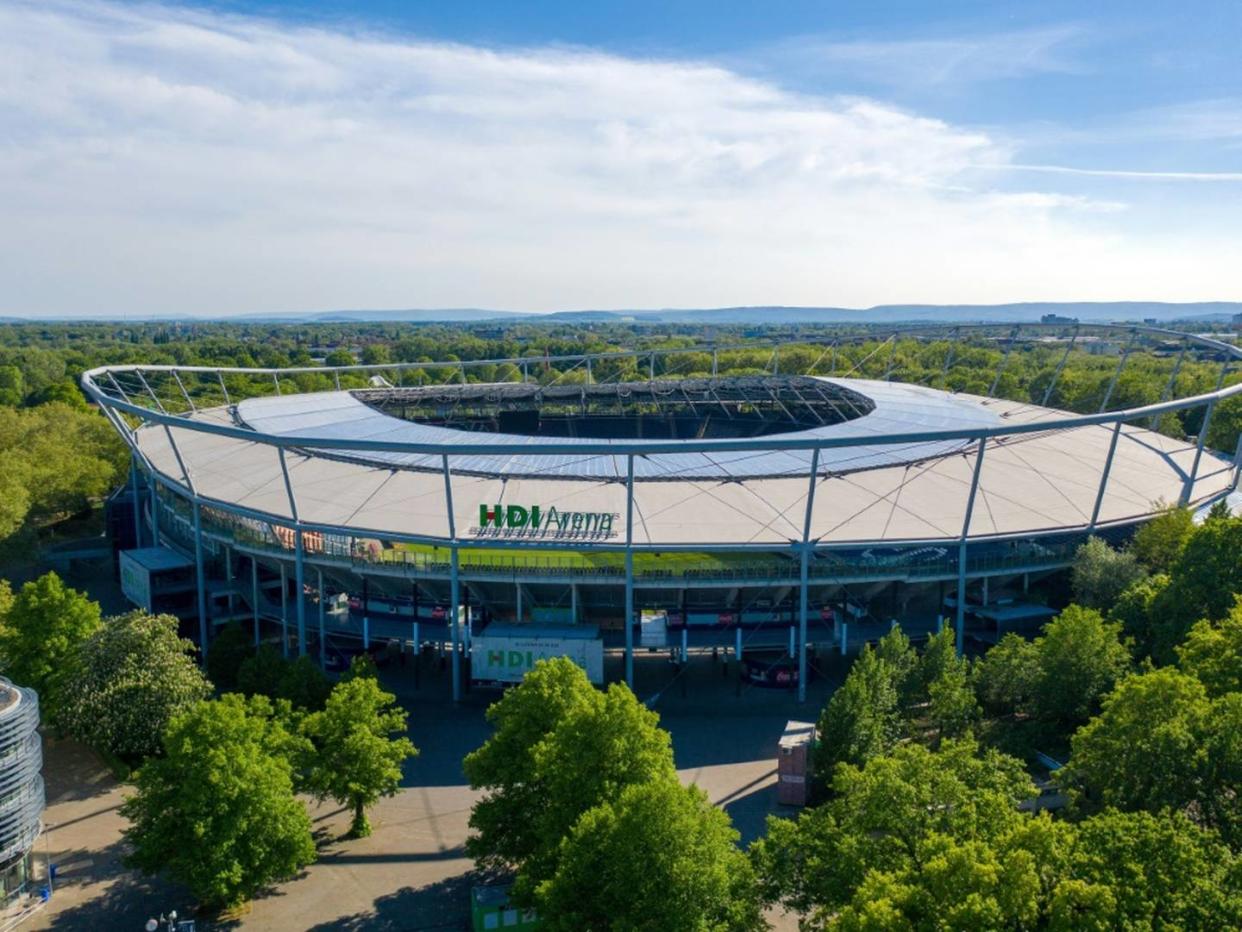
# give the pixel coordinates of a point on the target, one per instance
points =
(514, 516)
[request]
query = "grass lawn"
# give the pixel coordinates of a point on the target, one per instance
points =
(673, 562)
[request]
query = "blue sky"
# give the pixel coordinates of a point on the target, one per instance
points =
(252, 156)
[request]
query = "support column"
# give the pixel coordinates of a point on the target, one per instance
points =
(228, 576)
(1121, 364)
(573, 602)
(1189, 487)
(323, 636)
(629, 570)
(254, 597)
(518, 588)
(454, 589)
(284, 611)
(299, 573)
(804, 584)
(1169, 387)
(1108, 465)
(300, 585)
(155, 511)
(201, 579)
(137, 499)
(961, 551)
(1056, 375)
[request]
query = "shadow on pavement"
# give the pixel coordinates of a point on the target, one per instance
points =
(438, 906)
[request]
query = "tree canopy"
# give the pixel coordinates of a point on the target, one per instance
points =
(1212, 653)
(1100, 574)
(357, 758)
(861, 719)
(1162, 743)
(217, 811)
(659, 856)
(40, 632)
(126, 682)
(560, 748)
(924, 840)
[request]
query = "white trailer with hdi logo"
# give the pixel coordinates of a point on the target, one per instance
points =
(502, 654)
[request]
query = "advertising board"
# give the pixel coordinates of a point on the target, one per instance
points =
(135, 581)
(507, 656)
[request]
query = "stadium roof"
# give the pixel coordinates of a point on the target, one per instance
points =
(1040, 481)
(898, 408)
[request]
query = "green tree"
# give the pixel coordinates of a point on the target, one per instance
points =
(14, 498)
(340, 357)
(861, 719)
(12, 386)
(303, 684)
(1100, 574)
(895, 650)
(127, 681)
(952, 708)
(1081, 657)
(909, 844)
(1202, 584)
(1005, 677)
(217, 811)
(41, 632)
(1218, 802)
(376, 354)
(1145, 750)
(1212, 653)
(1161, 870)
(887, 817)
(560, 747)
(506, 767)
(229, 650)
(660, 856)
(357, 759)
(1136, 611)
(939, 656)
(361, 665)
(260, 673)
(1158, 543)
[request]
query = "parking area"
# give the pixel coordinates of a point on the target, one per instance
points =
(413, 873)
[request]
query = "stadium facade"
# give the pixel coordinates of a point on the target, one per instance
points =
(760, 503)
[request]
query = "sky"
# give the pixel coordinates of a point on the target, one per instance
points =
(253, 157)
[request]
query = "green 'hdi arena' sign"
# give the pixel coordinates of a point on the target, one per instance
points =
(536, 521)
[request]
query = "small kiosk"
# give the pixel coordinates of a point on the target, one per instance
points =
(793, 764)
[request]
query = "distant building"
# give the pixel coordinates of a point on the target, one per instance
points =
(1057, 319)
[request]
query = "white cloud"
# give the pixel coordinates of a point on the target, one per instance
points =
(922, 62)
(163, 160)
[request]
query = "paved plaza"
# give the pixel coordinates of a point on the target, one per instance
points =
(412, 873)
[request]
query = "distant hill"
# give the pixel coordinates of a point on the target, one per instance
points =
(1085, 311)
(1096, 312)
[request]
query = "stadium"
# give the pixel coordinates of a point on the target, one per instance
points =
(787, 511)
